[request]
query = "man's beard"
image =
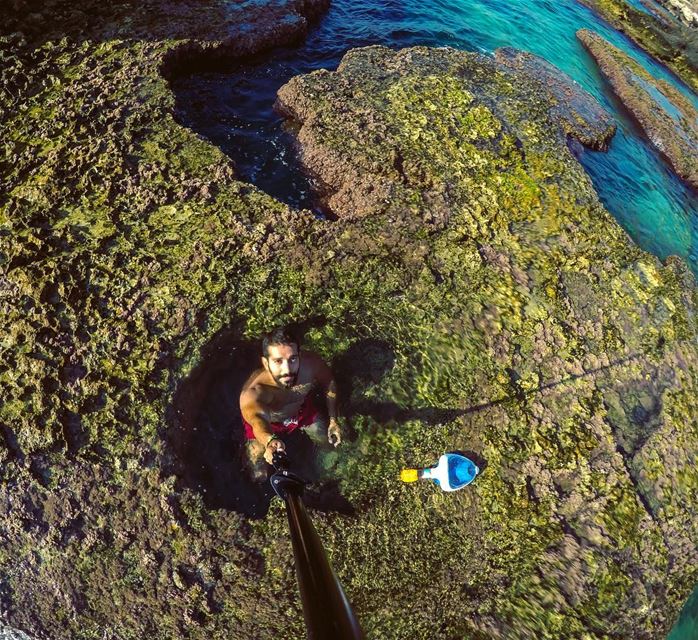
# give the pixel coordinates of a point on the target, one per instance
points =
(287, 382)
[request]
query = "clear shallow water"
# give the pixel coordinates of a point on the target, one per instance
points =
(234, 110)
(686, 627)
(639, 6)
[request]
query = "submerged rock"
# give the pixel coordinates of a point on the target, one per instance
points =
(667, 117)
(666, 39)
(472, 295)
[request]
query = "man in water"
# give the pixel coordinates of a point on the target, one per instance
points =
(278, 399)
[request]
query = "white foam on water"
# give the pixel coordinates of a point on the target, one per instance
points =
(8, 633)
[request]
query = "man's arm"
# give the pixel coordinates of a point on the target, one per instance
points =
(325, 377)
(254, 414)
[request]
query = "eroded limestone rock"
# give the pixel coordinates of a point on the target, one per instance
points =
(667, 117)
(451, 141)
(473, 294)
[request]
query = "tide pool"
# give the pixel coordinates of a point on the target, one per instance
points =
(234, 109)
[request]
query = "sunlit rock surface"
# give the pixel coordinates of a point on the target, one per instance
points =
(658, 32)
(472, 295)
(8, 633)
(684, 10)
(577, 112)
(668, 118)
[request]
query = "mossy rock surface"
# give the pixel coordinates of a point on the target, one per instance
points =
(472, 295)
(658, 32)
(668, 118)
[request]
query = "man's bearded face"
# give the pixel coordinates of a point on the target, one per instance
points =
(283, 364)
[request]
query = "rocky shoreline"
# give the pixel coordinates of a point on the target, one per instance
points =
(472, 294)
(670, 42)
(668, 119)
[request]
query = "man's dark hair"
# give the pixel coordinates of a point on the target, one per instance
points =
(280, 335)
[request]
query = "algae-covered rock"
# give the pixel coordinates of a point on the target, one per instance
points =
(579, 113)
(543, 323)
(472, 294)
(667, 40)
(667, 117)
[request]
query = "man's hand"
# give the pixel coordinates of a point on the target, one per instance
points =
(333, 433)
(275, 445)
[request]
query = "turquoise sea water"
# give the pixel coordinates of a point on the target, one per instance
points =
(686, 627)
(234, 109)
(639, 6)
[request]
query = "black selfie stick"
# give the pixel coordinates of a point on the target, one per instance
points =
(328, 614)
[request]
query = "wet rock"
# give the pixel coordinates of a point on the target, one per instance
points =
(668, 118)
(666, 39)
(472, 295)
(579, 113)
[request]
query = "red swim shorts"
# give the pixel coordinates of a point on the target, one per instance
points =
(306, 416)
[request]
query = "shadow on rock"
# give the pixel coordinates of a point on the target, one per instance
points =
(206, 438)
(206, 433)
(229, 101)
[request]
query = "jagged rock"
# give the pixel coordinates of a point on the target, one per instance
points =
(667, 117)
(684, 10)
(473, 294)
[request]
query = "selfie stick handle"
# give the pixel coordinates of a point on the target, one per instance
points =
(328, 614)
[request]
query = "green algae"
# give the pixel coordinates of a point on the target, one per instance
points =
(675, 46)
(509, 298)
(566, 442)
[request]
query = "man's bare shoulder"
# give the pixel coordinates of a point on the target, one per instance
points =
(312, 360)
(253, 400)
(254, 386)
(315, 366)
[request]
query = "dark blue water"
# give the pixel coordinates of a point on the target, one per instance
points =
(234, 110)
